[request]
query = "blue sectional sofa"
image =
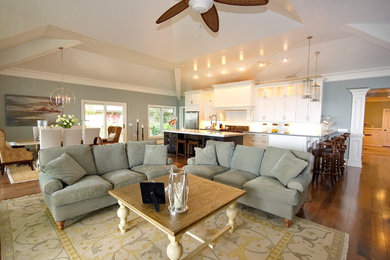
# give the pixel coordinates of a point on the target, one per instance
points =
(267, 175)
(75, 180)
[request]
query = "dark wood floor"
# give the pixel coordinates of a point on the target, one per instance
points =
(358, 204)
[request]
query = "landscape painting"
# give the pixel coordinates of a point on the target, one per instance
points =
(26, 110)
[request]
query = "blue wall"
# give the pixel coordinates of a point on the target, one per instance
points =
(137, 102)
(337, 100)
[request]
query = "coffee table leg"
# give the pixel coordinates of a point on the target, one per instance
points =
(174, 249)
(231, 212)
(122, 213)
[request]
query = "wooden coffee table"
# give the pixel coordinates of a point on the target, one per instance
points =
(204, 200)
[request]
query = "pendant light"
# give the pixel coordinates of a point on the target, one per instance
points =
(308, 83)
(62, 97)
(316, 85)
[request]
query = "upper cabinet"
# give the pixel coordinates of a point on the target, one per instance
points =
(193, 100)
(283, 102)
(209, 108)
(234, 96)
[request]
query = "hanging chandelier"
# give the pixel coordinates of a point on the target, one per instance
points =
(316, 85)
(62, 97)
(307, 82)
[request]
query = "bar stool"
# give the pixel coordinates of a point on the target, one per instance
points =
(191, 144)
(184, 143)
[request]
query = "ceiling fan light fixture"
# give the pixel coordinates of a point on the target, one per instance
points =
(201, 6)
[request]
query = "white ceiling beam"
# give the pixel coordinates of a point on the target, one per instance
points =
(367, 35)
(178, 83)
(32, 50)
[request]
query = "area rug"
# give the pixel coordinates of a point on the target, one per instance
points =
(18, 174)
(28, 232)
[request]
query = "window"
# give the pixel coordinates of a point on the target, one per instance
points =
(102, 114)
(159, 117)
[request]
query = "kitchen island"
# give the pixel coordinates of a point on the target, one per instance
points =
(171, 136)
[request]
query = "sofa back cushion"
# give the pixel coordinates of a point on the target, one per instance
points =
(82, 154)
(156, 154)
(110, 157)
(136, 152)
(247, 158)
(224, 151)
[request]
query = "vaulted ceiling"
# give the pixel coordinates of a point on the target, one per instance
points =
(118, 44)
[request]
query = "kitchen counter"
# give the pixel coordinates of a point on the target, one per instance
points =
(204, 132)
(316, 134)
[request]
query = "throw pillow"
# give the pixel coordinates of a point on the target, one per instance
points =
(136, 152)
(111, 137)
(288, 167)
(65, 168)
(206, 156)
(224, 151)
(156, 154)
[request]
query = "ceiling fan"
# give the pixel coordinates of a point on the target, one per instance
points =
(207, 9)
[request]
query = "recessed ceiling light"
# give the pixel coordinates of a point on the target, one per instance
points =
(241, 68)
(285, 60)
(208, 64)
(196, 76)
(261, 64)
(223, 60)
(208, 74)
(195, 67)
(223, 71)
(241, 56)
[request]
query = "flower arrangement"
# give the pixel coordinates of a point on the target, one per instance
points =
(66, 121)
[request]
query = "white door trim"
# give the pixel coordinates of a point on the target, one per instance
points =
(357, 126)
(124, 127)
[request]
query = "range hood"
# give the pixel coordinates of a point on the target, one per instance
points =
(234, 96)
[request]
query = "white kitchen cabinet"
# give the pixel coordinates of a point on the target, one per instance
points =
(264, 104)
(285, 109)
(193, 100)
(308, 111)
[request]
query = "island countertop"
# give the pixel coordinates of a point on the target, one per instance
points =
(317, 134)
(204, 132)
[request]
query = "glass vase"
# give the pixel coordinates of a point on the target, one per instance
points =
(177, 192)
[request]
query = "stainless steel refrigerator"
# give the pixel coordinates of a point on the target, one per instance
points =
(191, 120)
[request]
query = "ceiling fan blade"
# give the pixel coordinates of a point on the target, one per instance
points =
(174, 10)
(243, 2)
(211, 19)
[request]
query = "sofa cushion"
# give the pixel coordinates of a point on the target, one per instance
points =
(156, 154)
(90, 186)
(64, 168)
(288, 167)
(247, 158)
(124, 177)
(153, 171)
(268, 188)
(110, 157)
(136, 152)
(270, 159)
(235, 178)
(224, 151)
(205, 171)
(82, 154)
(49, 184)
(205, 156)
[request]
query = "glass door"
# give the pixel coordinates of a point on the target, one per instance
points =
(100, 114)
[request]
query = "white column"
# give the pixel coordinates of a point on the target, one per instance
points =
(357, 126)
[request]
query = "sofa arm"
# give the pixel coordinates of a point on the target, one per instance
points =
(169, 161)
(48, 184)
(299, 183)
(191, 161)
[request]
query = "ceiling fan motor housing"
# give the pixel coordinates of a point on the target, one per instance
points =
(201, 6)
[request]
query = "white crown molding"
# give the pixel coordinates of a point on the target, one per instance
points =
(33, 74)
(358, 74)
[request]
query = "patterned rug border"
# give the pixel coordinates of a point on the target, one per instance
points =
(7, 248)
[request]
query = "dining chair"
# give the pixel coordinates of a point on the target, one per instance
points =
(9, 155)
(71, 137)
(90, 134)
(50, 138)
